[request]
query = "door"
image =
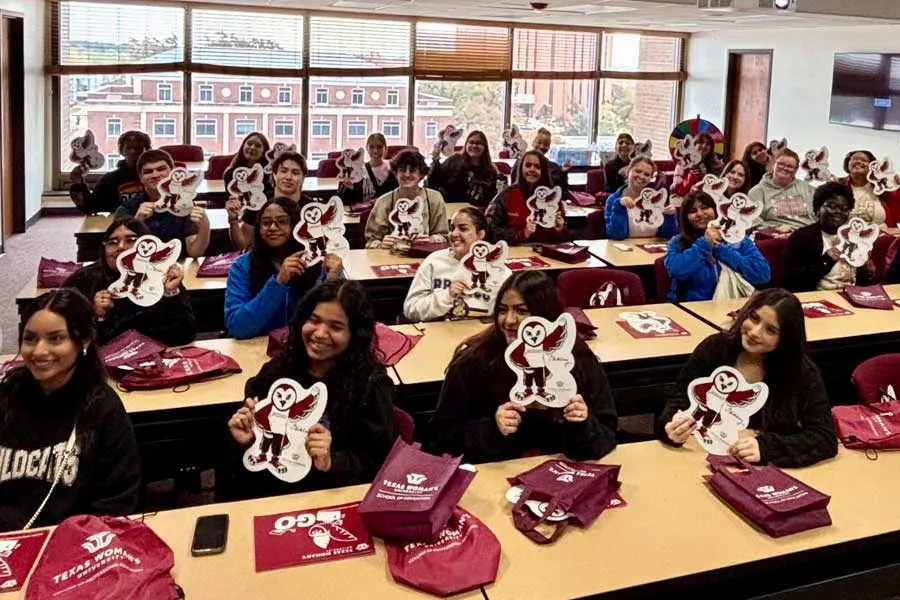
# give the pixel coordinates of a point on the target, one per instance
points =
(747, 99)
(12, 125)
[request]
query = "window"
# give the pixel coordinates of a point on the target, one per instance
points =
(205, 94)
(646, 109)
(463, 50)
(284, 129)
(356, 97)
(549, 52)
(205, 128)
(164, 128)
(245, 94)
(391, 129)
(163, 92)
(339, 43)
(468, 104)
(317, 156)
(431, 129)
(357, 129)
(322, 96)
(565, 107)
(113, 127)
(284, 95)
(247, 38)
(321, 129)
(243, 127)
(637, 52)
(112, 160)
(393, 98)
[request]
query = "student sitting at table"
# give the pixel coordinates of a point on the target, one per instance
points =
(509, 214)
(169, 321)
(620, 207)
(252, 151)
(786, 200)
(116, 186)
(812, 259)
(193, 230)
(288, 173)
(65, 438)
(766, 343)
(685, 178)
(467, 176)
(439, 282)
(699, 257)
(409, 167)
(330, 341)
(616, 169)
(877, 210)
(475, 416)
(559, 175)
(736, 174)
(265, 283)
(757, 158)
(378, 179)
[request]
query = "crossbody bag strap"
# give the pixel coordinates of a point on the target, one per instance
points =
(70, 447)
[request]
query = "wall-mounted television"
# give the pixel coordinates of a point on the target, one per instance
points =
(865, 91)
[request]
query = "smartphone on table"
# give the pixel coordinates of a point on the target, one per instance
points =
(210, 535)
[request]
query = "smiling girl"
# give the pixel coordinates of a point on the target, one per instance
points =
(467, 176)
(878, 210)
(786, 200)
(766, 343)
(619, 223)
(379, 179)
(252, 151)
(756, 157)
(736, 174)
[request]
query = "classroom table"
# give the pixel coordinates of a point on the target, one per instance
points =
(635, 257)
(315, 186)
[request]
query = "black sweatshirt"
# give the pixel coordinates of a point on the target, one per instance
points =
(558, 177)
(113, 189)
(458, 181)
(784, 442)
(103, 479)
(361, 427)
(804, 262)
(170, 321)
(353, 195)
(464, 420)
(613, 180)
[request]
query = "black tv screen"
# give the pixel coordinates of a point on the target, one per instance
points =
(865, 91)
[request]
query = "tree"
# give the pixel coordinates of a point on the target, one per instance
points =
(616, 114)
(476, 105)
(149, 46)
(221, 39)
(578, 122)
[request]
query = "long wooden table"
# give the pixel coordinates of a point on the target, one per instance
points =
(607, 251)
(316, 186)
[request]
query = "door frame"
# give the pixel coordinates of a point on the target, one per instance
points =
(17, 120)
(730, 77)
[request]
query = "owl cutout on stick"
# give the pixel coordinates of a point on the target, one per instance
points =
(776, 145)
(687, 152)
(815, 163)
(177, 192)
(722, 405)
(514, 142)
(648, 207)
(352, 165)
(855, 241)
(541, 358)
(882, 176)
(143, 268)
(85, 152)
(248, 185)
(544, 205)
(715, 187)
(321, 230)
(484, 270)
(281, 424)
(407, 218)
(277, 149)
(448, 137)
(642, 149)
(736, 216)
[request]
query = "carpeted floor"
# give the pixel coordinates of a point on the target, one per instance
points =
(50, 237)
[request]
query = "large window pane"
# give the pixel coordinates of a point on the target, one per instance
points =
(636, 52)
(345, 110)
(564, 106)
(239, 105)
(541, 50)
(107, 104)
(645, 109)
(247, 39)
(467, 104)
(358, 43)
(119, 34)
(448, 48)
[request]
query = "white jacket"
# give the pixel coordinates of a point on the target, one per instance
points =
(429, 295)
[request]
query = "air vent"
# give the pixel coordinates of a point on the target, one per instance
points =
(737, 4)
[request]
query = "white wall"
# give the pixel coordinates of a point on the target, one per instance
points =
(36, 95)
(802, 66)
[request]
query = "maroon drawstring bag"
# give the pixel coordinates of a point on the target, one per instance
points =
(868, 426)
(391, 345)
(217, 266)
(870, 296)
(104, 558)
(177, 369)
(567, 252)
(277, 340)
(424, 248)
(465, 556)
(583, 326)
(53, 273)
(129, 347)
(776, 502)
(583, 490)
(413, 496)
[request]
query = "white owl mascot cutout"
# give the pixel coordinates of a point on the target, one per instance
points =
(321, 230)
(177, 192)
(541, 357)
(143, 268)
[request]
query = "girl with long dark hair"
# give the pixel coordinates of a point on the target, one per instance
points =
(766, 343)
(467, 176)
(756, 157)
(252, 151)
(737, 175)
(620, 206)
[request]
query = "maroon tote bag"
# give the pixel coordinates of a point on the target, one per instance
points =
(776, 502)
(413, 496)
(178, 368)
(129, 348)
(868, 426)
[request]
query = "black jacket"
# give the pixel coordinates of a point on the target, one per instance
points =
(464, 420)
(457, 181)
(783, 441)
(613, 180)
(114, 188)
(558, 177)
(353, 195)
(170, 321)
(805, 264)
(103, 476)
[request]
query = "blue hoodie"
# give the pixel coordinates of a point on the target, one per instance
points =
(696, 277)
(616, 217)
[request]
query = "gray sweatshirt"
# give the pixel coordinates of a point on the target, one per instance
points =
(791, 205)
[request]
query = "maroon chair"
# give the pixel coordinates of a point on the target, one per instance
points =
(334, 154)
(218, 165)
(184, 152)
(773, 251)
(663, 280)
(327, 168)
(404, 426)
(503, 168)
(578, 285)
(596, 225)
(596, 181)
(666, 166)
(879, 255)
(503, 153)
(872, 378)
(178, 163)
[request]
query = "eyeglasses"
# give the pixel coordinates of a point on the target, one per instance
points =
(279, 222)
(127, 241)
(788, 168)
